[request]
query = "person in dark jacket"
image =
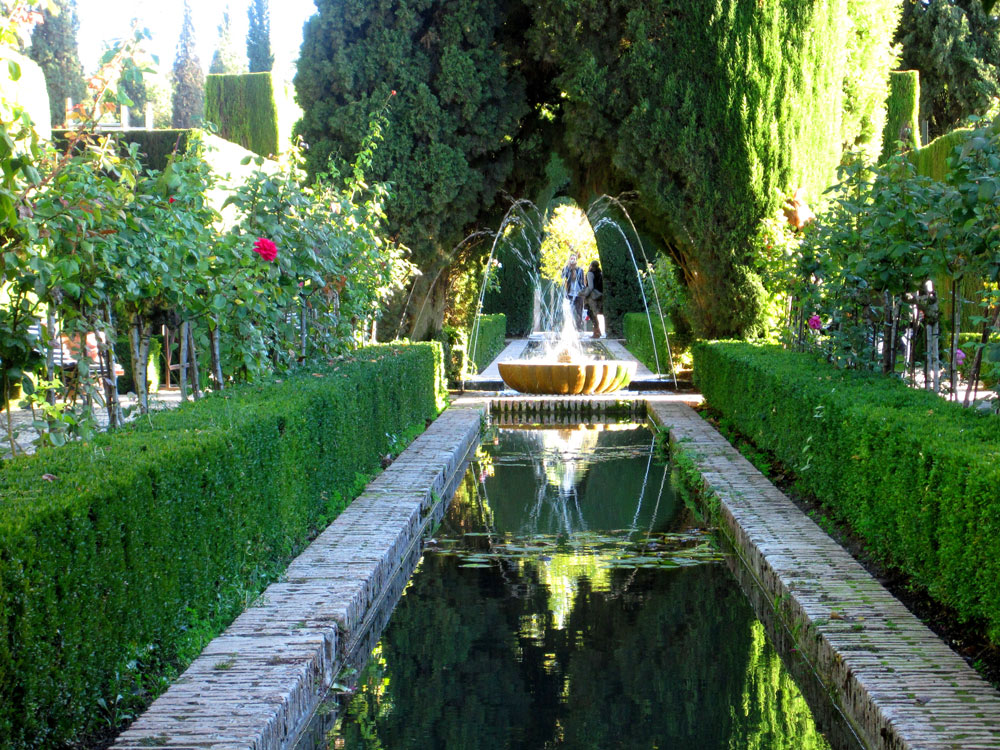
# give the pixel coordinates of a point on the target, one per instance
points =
(592, 294)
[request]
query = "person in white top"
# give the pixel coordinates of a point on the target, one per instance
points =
(573, 283)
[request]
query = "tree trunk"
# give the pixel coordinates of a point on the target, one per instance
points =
(183, 371)
(109, 381)
(193, 355)
(216, 354)
(50, 354)
(956, 321)
(139, 345)
(303, 329)
(5, 386)
(977, 363)
(888, 327)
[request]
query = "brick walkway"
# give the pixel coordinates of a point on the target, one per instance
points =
(897, 682)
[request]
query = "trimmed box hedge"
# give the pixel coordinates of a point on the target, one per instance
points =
(243, 108)
(639, 341)
(917, 477)
(114, 550)
(491, 333)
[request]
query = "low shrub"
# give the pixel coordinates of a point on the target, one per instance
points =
(116, 551)
(915, 476)
(639, 341)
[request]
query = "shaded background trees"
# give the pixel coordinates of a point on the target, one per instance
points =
(711, 113)
(54, 48)
(955, 44)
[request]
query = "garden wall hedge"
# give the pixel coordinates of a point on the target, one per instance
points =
(242, 107)
(638, 340)
(112, 552)
(914, 475)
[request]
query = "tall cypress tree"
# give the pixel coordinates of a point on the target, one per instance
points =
(259, 37)
(227, 59)
(54, 47)
(189, 78)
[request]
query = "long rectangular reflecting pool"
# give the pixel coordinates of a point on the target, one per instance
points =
(573, 597)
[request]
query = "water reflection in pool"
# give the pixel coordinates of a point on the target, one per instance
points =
(570, 599)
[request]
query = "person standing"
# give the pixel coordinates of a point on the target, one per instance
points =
(573, 283)
(592, 293)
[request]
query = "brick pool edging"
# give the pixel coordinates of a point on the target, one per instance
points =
(257, 685)
(898, 684)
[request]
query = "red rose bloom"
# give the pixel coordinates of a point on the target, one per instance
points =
(266, 249)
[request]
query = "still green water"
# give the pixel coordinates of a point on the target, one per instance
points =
(570, 599)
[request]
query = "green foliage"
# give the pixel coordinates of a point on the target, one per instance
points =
(226, 60)
(243, 109)
(636, 329)
(189, 79)
(915, 476)
(863, 269)
(146, 534)
(456, 97)
(955, 44)
(902, 112)
(54, 47)
(259, 37)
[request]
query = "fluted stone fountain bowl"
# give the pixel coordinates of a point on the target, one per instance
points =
(567, 378)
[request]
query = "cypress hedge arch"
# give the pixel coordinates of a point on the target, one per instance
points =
(710, 112)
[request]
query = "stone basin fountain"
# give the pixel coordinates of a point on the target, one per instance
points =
(567, 378)
(565, 369)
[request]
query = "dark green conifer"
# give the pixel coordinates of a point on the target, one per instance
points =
(259, 37)
(54, 47)
(189, 78)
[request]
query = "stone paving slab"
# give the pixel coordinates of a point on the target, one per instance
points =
(899, 684)
(256, 685)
